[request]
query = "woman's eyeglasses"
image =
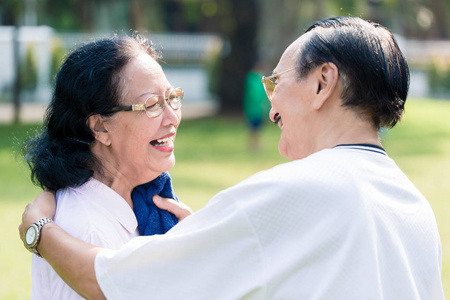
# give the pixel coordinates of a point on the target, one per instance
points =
(154, 105)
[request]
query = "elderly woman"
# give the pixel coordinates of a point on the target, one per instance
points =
(109, 128)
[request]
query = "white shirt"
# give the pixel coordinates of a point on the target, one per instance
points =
(343, 223)
(94, 213)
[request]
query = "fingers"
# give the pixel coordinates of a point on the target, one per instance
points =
(179, 209)
(23, 227)
(43, 206)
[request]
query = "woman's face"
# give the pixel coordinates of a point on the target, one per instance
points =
(142, 147)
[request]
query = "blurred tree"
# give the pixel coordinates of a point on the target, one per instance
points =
(441, 11)
(251, 28)
(279, 25)
(68, 14)
(11, 11)
(28, 69)
(238, 25)
(136, 15)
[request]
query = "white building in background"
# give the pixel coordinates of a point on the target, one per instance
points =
(37, 40)
(185, 56)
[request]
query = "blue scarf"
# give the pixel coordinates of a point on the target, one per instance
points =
(151, 219)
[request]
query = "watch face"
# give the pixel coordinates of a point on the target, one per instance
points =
(30, 235)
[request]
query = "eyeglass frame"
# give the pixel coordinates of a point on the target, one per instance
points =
(264, 78)
(142, 107)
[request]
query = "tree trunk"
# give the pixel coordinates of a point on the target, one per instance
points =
(135, 15)
(242, 38)
(440, 10)
(84, 13)
(16, 88)
(279, 26)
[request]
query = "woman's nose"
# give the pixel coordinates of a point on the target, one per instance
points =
(171, 116)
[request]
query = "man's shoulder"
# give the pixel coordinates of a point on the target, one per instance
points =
(315, 167)
(292, 179)
(325, 178)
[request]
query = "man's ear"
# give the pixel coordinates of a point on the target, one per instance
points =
(327, 79)
(98, 126)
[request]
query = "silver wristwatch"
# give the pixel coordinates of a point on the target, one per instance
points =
(33, 235)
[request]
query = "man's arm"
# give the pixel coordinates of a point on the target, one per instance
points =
(71, 258)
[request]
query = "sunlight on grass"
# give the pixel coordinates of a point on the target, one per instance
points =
(15, 264)
(420, 145)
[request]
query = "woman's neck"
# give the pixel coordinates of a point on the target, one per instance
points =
(117, 182)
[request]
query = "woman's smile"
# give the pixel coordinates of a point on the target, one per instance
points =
(165, 144)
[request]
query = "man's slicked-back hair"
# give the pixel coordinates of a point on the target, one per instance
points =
(372, 68)
(89, 82)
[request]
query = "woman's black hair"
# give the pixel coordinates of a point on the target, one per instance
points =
(88, 83)
(373, 70)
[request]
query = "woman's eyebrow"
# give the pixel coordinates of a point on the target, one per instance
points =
(170, 88)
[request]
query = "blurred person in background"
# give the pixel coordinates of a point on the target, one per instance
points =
(340, 221)
(256, 104)
(94, 153)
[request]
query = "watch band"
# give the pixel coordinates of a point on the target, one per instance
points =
(38, 224)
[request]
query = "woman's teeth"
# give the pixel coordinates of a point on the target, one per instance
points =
(164, 142)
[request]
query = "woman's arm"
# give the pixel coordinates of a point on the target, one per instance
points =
(71, 258)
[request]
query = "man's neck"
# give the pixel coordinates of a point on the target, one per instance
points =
(347, 128)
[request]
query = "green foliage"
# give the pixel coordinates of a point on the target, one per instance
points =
(16, 187)
(58, 52)
(212, 154)
(439, 75)
(213, 66)
(28, 69)
(420, 146)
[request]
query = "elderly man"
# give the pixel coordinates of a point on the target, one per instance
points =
(341, 221)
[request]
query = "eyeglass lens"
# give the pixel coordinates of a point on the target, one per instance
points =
(269, 87)
(154, 105)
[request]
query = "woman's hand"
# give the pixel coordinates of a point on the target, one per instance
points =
(43, 206)
(179, 209)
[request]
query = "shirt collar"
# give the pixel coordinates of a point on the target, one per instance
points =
(112, 202)
(363, 147)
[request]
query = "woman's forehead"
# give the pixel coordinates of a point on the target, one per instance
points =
(143, 77)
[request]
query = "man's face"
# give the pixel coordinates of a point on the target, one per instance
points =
(291, 104)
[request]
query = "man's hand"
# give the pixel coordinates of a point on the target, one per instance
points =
(179, 209)
(43, 206)
(56, 245)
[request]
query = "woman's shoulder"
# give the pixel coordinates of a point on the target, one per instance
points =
(93, 215)
(76, 213)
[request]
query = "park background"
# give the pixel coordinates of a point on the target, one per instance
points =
(208, 47)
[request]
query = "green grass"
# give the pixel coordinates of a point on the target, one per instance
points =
(421, 147)
(212, 154)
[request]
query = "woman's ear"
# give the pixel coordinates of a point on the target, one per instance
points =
(98, 126)
(328, 76)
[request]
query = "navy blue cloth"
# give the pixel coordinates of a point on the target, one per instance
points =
(151, 219)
